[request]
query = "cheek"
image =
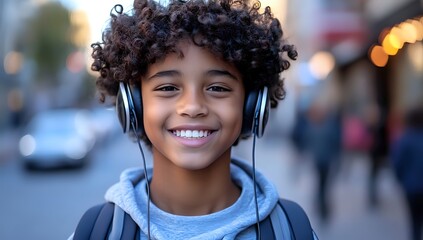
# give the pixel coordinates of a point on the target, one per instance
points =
(231, 115)
(153, 116)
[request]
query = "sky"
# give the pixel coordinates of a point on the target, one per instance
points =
(98, 12)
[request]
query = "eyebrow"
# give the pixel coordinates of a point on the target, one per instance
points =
(213, 72)
(168, 73)
(216, 72)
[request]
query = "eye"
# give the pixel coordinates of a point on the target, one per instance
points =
(218, 89)
(167, 88)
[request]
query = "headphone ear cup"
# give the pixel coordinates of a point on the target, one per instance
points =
(137, 102)
(129, 107)
(256, 111)
(122, 107)
(248, 114)
(263, 110)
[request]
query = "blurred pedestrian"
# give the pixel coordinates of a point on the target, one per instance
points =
(407, 160)
(376, 125)
(323, 142)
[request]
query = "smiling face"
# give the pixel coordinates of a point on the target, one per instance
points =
(192, 108)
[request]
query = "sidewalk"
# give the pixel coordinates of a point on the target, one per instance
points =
(352, 217)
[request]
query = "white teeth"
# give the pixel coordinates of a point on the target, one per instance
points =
(191, 133)
(195, 134)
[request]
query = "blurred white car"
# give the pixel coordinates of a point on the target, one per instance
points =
(105, 124)
(57, 138)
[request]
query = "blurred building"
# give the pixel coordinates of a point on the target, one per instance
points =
(19, 93)
(390, 62)
(371, 50)
(13, 14)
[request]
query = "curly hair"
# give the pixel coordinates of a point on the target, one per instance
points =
(233, 30)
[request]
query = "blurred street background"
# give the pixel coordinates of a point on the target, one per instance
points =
(334, 144)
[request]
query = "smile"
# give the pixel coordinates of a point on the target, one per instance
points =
(191, 133)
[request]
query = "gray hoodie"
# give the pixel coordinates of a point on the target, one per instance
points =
(235, 222)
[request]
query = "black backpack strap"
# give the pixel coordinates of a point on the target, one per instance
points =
(102, 225)
(130, 230)
(86, 223)
(95, 222)
(117, 223)
(106, 221)
(298, 220)
(266, 229)
(280, 223)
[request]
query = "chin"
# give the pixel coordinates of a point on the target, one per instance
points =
(199, 161)
(193, 165)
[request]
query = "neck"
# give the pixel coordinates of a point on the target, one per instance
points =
(193, 192)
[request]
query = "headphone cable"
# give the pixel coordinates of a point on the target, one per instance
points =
(146, 178)
(254, 178)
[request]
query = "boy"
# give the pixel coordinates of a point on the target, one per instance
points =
(192, 68)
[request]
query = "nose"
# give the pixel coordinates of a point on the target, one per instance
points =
(192, 103)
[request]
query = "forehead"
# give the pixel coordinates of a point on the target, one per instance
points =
(190, 59)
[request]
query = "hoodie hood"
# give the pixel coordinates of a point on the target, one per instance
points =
(236, 221)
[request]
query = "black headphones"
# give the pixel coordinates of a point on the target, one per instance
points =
(255, 115)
